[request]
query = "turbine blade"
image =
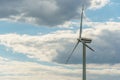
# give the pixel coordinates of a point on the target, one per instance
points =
(87, 46)
(72, 52)
(81, 22)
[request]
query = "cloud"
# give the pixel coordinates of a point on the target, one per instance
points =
(42, 47)
(105, 38)
(45, 12)
(95, 4)
(57, 45)
(16, 70)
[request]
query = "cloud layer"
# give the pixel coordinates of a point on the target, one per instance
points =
(56, 46)
(45, 12)
(16, 70)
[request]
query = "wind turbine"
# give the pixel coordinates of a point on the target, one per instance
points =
(84, 42)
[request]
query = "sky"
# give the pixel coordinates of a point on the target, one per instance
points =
(37, 36)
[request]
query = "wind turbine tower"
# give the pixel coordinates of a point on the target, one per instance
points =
(84, 42)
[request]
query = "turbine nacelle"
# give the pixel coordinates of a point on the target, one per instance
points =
(85, 40)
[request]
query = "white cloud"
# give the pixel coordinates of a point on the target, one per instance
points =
(96, 4)
(16, 70)
(42, 47)
(3, 59)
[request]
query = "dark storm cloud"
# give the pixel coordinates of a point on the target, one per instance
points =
(42, 12)
(107, 48)
(9, 8)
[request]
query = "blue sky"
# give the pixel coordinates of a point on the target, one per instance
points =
(37, 36)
